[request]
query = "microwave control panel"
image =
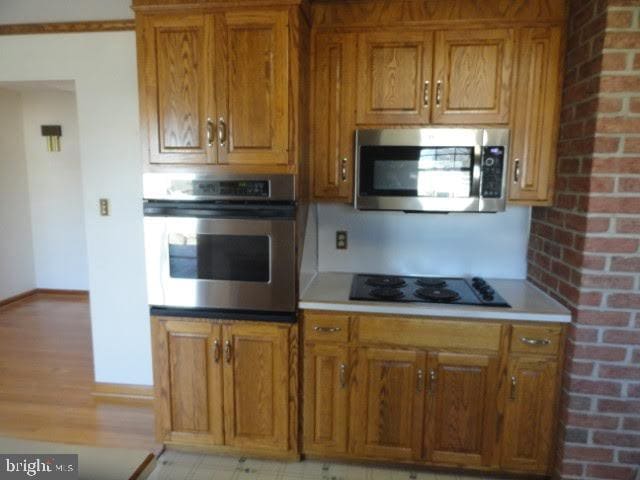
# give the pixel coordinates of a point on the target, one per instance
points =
(492, 170)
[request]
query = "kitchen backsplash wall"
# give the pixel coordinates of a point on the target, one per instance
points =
(491, 245)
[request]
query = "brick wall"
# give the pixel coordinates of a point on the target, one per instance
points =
(585, 249)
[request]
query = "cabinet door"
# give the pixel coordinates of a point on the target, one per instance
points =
(188, 380)
(529, 414)
(460, 424)
(326, 387)
(388, 404)
(176, 88)
(256, 385)
(253, 123)
(394, 71)
(334, 115)
(536, 116)
(473, 76)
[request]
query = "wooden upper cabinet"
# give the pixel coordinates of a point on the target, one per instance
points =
(460, 420)
(388, 404)
(528, 431)
(175, 88)
(536, 116)
(188, 382)
(334, 64)
(394, 70)
(253, 122)
(326, 387)
(472, 76)
(256, 385)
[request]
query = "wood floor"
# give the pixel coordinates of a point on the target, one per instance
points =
(46, 378)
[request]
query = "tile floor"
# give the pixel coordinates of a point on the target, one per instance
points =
(174, 465)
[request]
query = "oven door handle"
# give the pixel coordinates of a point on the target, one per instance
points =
(265, 212)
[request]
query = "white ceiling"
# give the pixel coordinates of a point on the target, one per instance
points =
(64, 85)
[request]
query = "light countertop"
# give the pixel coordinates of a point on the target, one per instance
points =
(330, 291)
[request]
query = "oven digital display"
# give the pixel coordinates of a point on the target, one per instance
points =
(228, 188)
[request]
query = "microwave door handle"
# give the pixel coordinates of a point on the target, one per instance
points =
(476, 177)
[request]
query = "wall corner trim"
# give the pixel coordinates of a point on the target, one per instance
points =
(68, 27)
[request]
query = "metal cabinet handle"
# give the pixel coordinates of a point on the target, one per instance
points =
(209, 132)
(343, 166)
(426, 94)
(438, 93)
(326, 329)
(222, 131)
(433, 378)
(216, 351)
(343, 375)
(514, 384)
(420, 382)
(536, 342)
(227, 351)
(516, 171)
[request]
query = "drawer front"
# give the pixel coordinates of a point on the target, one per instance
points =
(321, 327)
(428, 334)
(544, 340)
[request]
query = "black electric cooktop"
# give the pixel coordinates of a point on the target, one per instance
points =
(460, 291)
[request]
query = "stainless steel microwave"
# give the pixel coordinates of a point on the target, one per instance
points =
(432, 169)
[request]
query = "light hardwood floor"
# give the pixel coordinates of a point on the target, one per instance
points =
(46, 378)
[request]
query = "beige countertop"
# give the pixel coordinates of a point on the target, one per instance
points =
(330, 291)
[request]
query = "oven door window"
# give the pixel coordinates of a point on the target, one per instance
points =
(442, 172)
(239, 258)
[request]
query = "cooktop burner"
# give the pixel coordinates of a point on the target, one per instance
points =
(393, 288)
(384, 281)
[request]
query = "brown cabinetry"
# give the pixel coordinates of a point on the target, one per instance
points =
(223, 385)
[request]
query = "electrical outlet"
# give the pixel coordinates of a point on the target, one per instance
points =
(341, 240)
(104, 207)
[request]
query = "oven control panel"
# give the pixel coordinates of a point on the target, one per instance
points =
(492, 170)
(230, 188)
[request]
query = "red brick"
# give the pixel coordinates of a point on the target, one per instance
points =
(614, 165)
(634, 105)
(601, 184)
(593, 420)
(633, 391)
(566, 202)
(595, 317)
(589, 299)
(614, 204)
(620, 373)
(584, 369)
(563, 237)
(624, 337)
(597, 352)
(629, 185)
(587, 224)
(619, 83)
(624, 300)
(636, 62)
(571, 469)
(618, 406)
(609, 245)
(628, 225)
(610, 472)
(614, 61)
(635, 358)
(617, 439)
(595, 387)
(631, 423)
(625, 264)
(619, 19)
(621, 124)
(631, 145)
(632, 457)
(581, 334)
(593, 454)
(613, 282)
(569, 165)
(606, 144)
(622, 40)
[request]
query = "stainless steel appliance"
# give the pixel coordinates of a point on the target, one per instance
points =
(432, 169)
(224, 243)
(390, 288)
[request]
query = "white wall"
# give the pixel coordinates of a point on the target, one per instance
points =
(491, 245)
(55, 191)
(16, 253)
(35, 11)
(103, 66)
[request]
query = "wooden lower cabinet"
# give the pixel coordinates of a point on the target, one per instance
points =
(472, 403)
(529, 415)
(227, 385)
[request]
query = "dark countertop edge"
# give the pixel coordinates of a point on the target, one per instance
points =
(253, 316)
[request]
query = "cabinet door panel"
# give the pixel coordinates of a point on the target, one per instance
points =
(326, 388)
(254, 125)
(392, 71)
(176, 88)
(388, 404)
(334, 115)
(188, 380)
(536, 116)
(462, 404)
(473, 76)
(256, 385)
(529, 414)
